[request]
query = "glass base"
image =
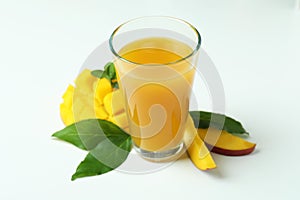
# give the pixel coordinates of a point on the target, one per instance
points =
(161, 156)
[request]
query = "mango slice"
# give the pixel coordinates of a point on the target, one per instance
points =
(225, 143)
(101, 88)
(66, 110)
(85, 100)
(85, 82)
(197, 150)
(114, 103)
(120, 120)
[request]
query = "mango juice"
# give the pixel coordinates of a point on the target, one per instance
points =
(156, 80)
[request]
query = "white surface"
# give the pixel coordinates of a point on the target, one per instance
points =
(254, 44)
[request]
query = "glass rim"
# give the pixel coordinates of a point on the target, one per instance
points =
(194, 51)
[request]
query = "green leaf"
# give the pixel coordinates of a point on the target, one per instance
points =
(204, 120)
(108, 155)
(97, 73)
(108, 144)
(110, 70)
(115, 85)
(90, 166)
(108, 73)
(86, 134)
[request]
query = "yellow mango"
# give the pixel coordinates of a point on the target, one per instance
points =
(120, 120)
(101, 88)
(226, 143)
(68, 96)
(107, 103)
(85, 81)
(101, 112)
(197, 150)
(66, 111)
(66, 115)
(114, 103)
(85, 100)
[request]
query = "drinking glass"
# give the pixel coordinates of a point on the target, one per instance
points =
(155, 59)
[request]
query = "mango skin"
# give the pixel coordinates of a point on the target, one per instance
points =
(225, 143)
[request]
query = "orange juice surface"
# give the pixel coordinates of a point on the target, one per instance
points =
(156, 81)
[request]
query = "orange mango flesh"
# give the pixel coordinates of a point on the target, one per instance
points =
(225, 143)
(85, 99)
(113, 103)
(197, 150)
(66, 111)
(201, 160)
(120, 120)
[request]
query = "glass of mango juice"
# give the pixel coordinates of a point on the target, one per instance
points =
(155, 59)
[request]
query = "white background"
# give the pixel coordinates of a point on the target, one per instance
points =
(255, 45)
